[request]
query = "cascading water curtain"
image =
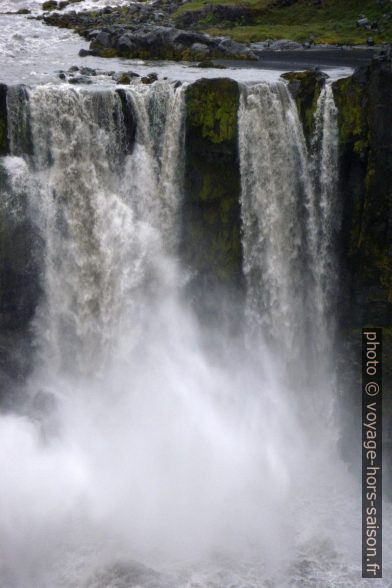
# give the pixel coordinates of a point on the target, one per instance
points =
(290, 220)
(140, 456)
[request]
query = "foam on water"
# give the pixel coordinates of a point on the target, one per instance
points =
(32, 52)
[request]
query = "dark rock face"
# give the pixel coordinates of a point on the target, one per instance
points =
(365, 128)
(4, 147)
(211, 237)
(305, 87)
(20, 256)
(54, 5)
(129, 121)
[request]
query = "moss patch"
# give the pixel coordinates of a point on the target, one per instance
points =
(350, 96)
(211, 235)
(365, 130)
(305, 87)
(212, 108)
(332, 22)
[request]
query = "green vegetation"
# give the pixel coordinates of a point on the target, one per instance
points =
(214, 110)
(365, 119)
(49, 5)
(331, 21)
(306, 86)
(349, 95)
(212, 241)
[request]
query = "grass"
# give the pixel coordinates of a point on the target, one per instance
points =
(332, 23)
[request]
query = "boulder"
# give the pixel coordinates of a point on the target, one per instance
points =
(49, 5)
(88, 71)
(103, 39)
(163, 42)
(86, 52)
(200, 49)
(80, 80)
(363, 22)
(233, 49)
(285, 45)
(126, 43)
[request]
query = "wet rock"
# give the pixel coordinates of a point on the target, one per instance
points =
(87, 52)
(200, 49)
(23, 11)
(124, 79)
(150, 78)
(4, 142)
(20, 257)
(370, 42)
(88, 71)
(49, 5)
(103, 39)
(130, 119)
(260, 45)
(363, 22)
(126, 43)
(235, 50)
(62, 76)
(305, 87)
(211, 64)
(211, 242)
(285, 45)
(122, 76)
(73, 68)
(58, 5)
(146, 41)
(80, 80)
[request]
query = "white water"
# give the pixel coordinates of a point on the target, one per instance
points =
(36, 5)
(291, 216)
(32, 52)
(138, 446)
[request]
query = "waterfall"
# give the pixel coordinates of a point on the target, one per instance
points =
(105, 217)
(289, 209)
(142, 455)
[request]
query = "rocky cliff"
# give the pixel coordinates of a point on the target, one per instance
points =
(211, 215)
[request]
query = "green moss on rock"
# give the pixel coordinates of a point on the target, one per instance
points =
(211, 237)
(305, 87)
(365, 132)
(212, 108)
(350, 100)
(49, 5)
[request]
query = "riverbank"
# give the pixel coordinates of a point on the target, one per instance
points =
(162, 31)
